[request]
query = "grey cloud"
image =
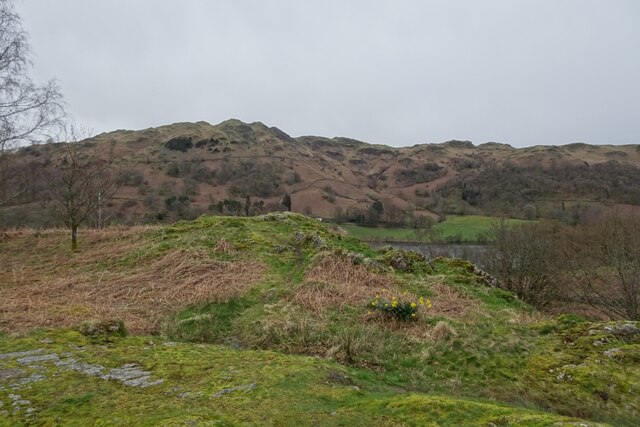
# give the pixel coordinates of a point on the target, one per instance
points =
(399, 73)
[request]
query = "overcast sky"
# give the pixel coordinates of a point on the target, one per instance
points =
(391, 72)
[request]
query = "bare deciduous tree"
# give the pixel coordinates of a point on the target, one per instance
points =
(81, 183)
(27, 110)
(606, 265)
(526, 260)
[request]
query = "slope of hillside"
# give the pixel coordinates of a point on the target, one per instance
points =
(182, 170)
(246, 301)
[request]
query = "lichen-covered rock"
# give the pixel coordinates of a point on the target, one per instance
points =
(405, 261)
(623, 330)
(103, 328)
(314, 240)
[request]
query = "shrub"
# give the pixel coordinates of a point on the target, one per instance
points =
(401, 309)
(179, 143)
(131, 178)
(528, 260)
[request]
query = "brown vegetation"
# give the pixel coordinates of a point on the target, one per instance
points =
(592, 267)
(448, 301)
(63, 293)
(333, 281)
(233, 160)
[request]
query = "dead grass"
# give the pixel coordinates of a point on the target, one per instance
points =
(450, 302)
(140, 297)
(523, 318)
(334, 281)
(222, 246)
(31, 256)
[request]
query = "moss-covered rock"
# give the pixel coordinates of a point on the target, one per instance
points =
(404, 261)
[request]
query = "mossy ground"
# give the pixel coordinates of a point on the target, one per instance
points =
(218, 385)
(497, 349)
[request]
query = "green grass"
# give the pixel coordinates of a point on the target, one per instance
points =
(470, 228)
(217, 385)
(496, 368)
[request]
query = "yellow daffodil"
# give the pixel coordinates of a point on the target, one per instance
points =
(413, 305)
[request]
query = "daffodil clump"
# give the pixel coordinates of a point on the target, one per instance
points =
(401, 308)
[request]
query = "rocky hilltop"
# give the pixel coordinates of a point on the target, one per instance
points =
(186, 169)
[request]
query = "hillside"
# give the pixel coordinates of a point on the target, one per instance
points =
(182, 170)
(279, 320)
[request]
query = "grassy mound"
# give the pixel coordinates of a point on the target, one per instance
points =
(287, 283)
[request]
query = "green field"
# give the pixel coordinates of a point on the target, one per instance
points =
(455, 228)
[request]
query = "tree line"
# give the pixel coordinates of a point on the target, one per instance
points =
(593, 266)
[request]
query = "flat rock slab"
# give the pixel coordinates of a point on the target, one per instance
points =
(36, 359)
(131, 375)
(6, 374)
(17, 354)
(243, 387)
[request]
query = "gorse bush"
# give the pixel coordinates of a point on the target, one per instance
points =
(398, 307)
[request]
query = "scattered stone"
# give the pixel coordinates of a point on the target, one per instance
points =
(46, 341)
(314, 239)
(318, 242)
(244, 387)
(623, 329)
(614, 352)
(406, 261)
(374, 265)
(487, 278)
(103, 328)
(277, 216)
(562, 376)
(17, 354)
(6, 374)
(600, 342)
(337, 377)
(33, 378)
(82, 367)
(142, 382)
(281, 248)
(35, 359)
(170, 344)
(19, 403)
(131, 375)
